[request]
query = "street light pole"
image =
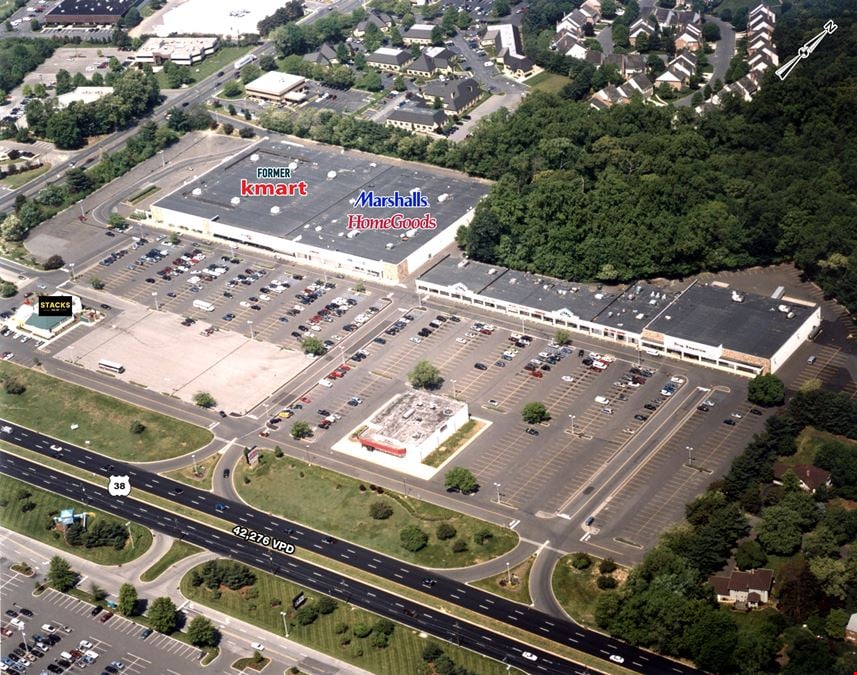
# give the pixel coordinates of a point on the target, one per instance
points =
(285, 623)
(193, 458)
(572, 424)
(508, 575)
(497, 485)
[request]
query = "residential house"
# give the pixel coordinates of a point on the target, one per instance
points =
(762, 60)
(380, 19)
(627, 64)
(749, 589)
(608, 97)
(569, 45)
(389, 58)
(594, 57)
(591, 11)
(761, 10)
(760, 42)
(418, 34)
(851, 630)
(432, 61)
(810, 477)
(419, 119)
(509, 49)
(689, 37)
(456, 95)
(678, 72)
(640, 26)
(639, 84)
(670, 18)
(761, 23)
(325, 55)
(574, 23)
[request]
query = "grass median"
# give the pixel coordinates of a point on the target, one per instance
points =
(343, 633)
(178, 551)
(50, 406)
(519, 588)
(218, 61)
(29, 510)
(335, 503)
(201, 477)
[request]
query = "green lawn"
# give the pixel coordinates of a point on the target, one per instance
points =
(51, 405)
(178, 551)
(808, 442)
(334, 503)
(549, 82)
(34, 523)
(214, 63)
(202, 478)
(576, 590)
(519, 591)
(262, 603)
(17, 180)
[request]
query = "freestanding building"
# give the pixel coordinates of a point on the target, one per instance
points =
(89, 12)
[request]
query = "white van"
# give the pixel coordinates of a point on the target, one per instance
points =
(18, 624)
(603, 400)
(652, 352)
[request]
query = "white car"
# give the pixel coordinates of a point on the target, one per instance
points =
(529, 656)
(461, 340)
(677, 380)
(315, 329)
(336, 338)
(8, 356)
(244, 303)
(56, 448)
(265, 298)
(666, 392)
(85, 644)
(737, 415)
(567, 378)
(324, 382)
(615, 658)
(608, 359)
(48, 628)
(416, 339)
(470, 335)
(633, 384)
(258, 646)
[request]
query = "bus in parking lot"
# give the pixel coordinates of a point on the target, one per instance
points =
(203, 305)
(112, 366)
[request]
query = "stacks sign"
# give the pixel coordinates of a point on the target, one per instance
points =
(298, 600)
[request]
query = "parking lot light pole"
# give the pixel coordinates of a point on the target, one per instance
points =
(71, 270)
(252, 334)
(155, 296)
(689, 449)
(572, 424)
(453, 388)
(508, 575)
(285, 623)
(193, 459)
(497, 485)
(163, 161)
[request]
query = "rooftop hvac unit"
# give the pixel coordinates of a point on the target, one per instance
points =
(492, 271)
(784, 308)
(609, 314)
(235, 201)
(737, 297)
(790, 315)
(298, 238)
(196, 192)
(410, 234)
(408, 413)
(340, 234)
(513, 281)
(668, 317)
(352, 234)
(653, 302)
(331, 175)
(293, 165)
(447, 412)
(640, 316)
(254, 157)
(389, 245)
(442, 198)
(372, 164)
(275, 210)
(462, 263)
(317, 228)
(599, 296)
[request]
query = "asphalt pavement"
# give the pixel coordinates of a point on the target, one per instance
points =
(368, 597)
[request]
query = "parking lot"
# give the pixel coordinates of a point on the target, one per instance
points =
(222, 326)
(115, 639)
(566, 452)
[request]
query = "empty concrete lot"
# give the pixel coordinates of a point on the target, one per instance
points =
(165, 356)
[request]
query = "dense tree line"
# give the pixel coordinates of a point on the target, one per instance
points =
(293, 38)
(135, 93)
(100, 533)
(291, 11)
(638, 191)
(53, 198)
(19, 56)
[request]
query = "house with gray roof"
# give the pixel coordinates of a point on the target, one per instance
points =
(419, 119)
(456, 95)
(389, 58)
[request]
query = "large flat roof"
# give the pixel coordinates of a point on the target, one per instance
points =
(320, 218)
(91, 7)
(709, 315)
(411, 417)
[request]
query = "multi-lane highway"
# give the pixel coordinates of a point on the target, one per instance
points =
(448, 590)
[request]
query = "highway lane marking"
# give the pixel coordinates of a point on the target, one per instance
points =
(453, 595)
(550, 623)
(372, 566)
(267, 528)
(397, 575)
(371, 595)
(347, 557)
(542, 628)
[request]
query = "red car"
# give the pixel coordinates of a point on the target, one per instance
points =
(324, 424)
(344, 367)
(536, 373)
(105, 617)
(335, 374)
